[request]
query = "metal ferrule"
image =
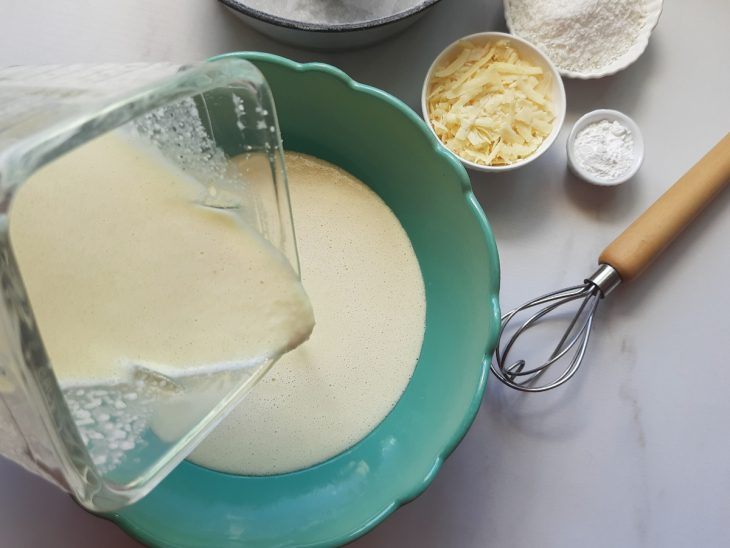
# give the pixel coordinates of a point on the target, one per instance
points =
(606, 279)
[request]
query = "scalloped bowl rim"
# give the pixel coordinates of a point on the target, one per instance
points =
(654, 8)
(471, 203)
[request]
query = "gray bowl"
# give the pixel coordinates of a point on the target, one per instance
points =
(328, 26)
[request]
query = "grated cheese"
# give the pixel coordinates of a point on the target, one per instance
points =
(488, 105)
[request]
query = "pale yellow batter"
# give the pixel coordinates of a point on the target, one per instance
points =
(123, 267)
(363, 278)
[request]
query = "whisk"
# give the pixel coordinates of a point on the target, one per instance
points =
(622, 261)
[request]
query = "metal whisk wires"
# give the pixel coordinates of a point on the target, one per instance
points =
(572, 346)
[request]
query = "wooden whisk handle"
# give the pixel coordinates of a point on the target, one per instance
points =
(648, 235)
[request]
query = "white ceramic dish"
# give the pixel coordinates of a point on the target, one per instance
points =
(529, 53)
(654, 10)
(597, 116)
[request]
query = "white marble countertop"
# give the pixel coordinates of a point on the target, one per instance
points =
(635, 451)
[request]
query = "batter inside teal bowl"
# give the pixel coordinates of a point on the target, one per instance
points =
(363, 280)
(380, 141)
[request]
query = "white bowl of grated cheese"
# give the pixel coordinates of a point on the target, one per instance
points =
(494, 100)
(585, 39)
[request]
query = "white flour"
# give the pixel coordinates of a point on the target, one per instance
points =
(579, 35)
(604, 149)
(332, 12)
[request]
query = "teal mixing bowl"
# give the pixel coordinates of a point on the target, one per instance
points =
(381, 141)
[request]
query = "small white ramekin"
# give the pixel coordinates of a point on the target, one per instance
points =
(609, 115)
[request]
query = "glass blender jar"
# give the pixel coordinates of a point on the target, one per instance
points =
(103, 443)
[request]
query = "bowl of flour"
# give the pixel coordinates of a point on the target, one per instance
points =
(585, 38)
(329, 24)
